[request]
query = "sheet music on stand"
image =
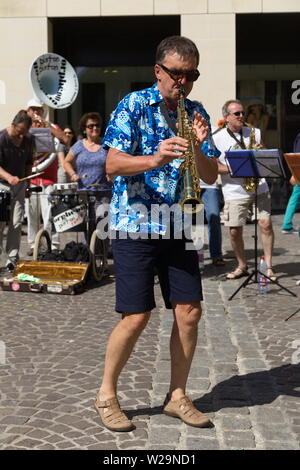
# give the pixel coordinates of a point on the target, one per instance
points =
(43, 139)
(255, 164)
(264, 163)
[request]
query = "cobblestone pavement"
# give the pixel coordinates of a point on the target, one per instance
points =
(245, 374)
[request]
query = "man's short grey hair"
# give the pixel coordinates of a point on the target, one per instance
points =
(180, 45)
(225, 106)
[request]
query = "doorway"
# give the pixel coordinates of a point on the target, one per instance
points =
(109, 54)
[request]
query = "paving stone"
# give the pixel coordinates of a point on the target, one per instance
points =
(45, 447)
(28, 443)
(238, 444)
(241, 376)
(268, 415)
(272, 433)
(280, 446)
(164, 434)
(14, 420)
(6, 438)
(234, 423)
(202, 444)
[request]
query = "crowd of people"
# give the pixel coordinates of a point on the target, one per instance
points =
(142, 153)
(69, 159)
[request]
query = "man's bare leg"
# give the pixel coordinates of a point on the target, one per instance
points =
(267, 239)
(182, 345)
(119, 349)
(237, 243)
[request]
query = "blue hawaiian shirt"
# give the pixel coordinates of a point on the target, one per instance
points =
(137, 127)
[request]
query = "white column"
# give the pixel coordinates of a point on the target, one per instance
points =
(214, 35)
(23, 40)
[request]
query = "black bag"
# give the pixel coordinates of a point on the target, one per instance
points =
(73, 252)
(76, 252)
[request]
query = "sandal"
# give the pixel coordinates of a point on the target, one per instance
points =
(112, 416)
(218, 262)
(238, 272)
(270, 273)
(186, 411)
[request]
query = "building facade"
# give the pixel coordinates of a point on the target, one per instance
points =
(248, 49)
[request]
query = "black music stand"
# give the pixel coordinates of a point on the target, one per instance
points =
(255, 164)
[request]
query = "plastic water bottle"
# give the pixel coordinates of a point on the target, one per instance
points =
(201, 260)
(263, 282)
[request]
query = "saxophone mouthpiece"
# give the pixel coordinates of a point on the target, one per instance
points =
(182, 91)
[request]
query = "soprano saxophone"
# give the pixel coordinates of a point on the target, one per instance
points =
(250, 184)
(191, 201)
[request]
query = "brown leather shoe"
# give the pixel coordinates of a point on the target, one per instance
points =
(111, 415)
(186, 411)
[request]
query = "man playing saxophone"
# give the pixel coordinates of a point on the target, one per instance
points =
(144, 158)
(239, 193)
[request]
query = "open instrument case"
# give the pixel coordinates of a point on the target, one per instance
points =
(51, 277)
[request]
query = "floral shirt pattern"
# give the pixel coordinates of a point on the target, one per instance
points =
(137, 127)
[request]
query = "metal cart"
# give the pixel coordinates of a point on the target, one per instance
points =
(72, 211)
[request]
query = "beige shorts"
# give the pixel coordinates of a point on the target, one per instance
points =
(236, 212)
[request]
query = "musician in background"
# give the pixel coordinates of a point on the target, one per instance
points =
(16, 150)
(35, 109)
(62, 152)
(211, 196)
(37, 204)
(237, 199)
(144, 159)
(85, 163)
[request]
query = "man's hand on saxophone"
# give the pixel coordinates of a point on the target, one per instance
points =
(121, 163)
(170, 149)
(207, 168)
(200, 127)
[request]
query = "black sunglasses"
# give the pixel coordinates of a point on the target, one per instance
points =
(191, 75)
(239, 113)
(91, 126)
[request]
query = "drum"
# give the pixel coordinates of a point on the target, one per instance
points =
(4, 206)
(66, 188)
(69, 212)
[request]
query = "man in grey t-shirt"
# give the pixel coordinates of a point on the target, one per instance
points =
(16, 149)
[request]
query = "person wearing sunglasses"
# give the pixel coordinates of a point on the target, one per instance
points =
(62, 151)
(85, 161)
(144, 158)
(238, 202)
(85, 164)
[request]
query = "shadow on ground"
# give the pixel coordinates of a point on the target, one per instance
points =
(255, 388)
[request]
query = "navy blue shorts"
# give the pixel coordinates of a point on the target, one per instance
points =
(136, 263)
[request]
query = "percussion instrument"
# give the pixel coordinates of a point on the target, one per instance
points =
(4, 206)
(68, 212)
(65, 188)
(71, 209)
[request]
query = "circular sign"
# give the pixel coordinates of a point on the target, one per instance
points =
(15, 286)
(54, 81)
